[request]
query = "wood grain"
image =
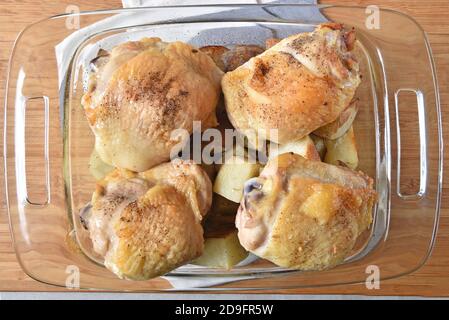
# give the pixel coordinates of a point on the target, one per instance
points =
(431, 280)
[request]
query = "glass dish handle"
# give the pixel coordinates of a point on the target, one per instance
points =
(423, 154)
(20, 147)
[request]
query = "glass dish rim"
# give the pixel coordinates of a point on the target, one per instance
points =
(237, 5)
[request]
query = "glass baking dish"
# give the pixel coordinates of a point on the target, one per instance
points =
(398, 131)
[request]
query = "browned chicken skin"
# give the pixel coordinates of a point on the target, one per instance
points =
(141, 92)
(298, 85)
(304, 214)
(146, 224)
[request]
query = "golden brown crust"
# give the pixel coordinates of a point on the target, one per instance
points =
(155, 234)
(146, 224)
(148, 89)
(274, 100)
(322, 236)
(188, 178)
(297, 86)
(305, 214)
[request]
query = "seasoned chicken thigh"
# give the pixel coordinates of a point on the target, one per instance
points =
(146, 224)
(304, 214)
(143, 90)
(299, 84)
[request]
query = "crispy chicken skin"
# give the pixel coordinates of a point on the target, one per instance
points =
(304, 214)
(140, 92)
(298, 85)
(146, 224)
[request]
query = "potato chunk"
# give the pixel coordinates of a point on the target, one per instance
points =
(223, 252)
(232, 176)
(222, 248)
(343, 151)
(304, 147)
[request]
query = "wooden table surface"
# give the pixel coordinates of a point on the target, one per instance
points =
(430, 280)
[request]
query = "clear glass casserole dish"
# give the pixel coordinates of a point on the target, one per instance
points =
(398, 130)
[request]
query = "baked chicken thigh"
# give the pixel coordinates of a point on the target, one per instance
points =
(143, 90)
(301, 83)
(147, 224)
(304, 214)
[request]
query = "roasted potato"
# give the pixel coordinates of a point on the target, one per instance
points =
(304, 147)
(232, 175)
(342, 151)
